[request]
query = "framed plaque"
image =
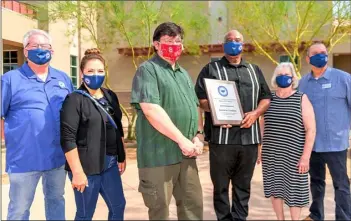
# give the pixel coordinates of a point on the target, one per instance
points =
(224, 102)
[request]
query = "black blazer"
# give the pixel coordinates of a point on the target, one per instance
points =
(83, 126)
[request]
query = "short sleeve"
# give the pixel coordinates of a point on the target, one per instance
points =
(70, 87)
(200, 87)
(348, 90)
(69, 122)
(5, 96)
(265, 92)
(301, 87)
(145, 87)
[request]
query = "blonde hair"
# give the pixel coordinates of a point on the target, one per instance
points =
(289, 65)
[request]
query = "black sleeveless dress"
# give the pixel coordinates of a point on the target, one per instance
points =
(283, 144)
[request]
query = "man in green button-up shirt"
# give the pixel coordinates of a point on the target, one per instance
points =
(168, 129)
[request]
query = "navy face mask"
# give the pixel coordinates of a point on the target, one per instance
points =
(283, 81)
(233, 48)
(94, 81)
(319, 60)
(39, 56)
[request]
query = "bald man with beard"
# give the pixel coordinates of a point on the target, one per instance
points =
(234, 149)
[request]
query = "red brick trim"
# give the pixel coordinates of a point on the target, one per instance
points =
(19, 7)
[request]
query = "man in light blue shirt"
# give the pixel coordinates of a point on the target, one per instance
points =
(31, 99)
(329, 91)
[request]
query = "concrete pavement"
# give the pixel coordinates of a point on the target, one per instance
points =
(260, 207)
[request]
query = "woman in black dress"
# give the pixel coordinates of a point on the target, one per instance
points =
(92, 139)
(289, 132)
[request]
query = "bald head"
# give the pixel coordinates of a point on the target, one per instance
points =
(233, 35)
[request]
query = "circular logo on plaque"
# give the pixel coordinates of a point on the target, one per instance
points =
(222, 91)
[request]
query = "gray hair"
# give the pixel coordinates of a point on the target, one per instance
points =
(35, 32)
(289, 65)
(226, 35)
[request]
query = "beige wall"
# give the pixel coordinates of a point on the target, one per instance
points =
(122, 71)
(15, 25)
(63, 44)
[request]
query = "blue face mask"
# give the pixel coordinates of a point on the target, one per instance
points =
(319, 60)
(283, 81)
(94, 81)
(233, 48)
(39, 56)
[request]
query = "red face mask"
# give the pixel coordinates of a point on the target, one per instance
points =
(171, 52)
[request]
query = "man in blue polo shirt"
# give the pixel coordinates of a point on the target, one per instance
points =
(329, 91)
(31, 100)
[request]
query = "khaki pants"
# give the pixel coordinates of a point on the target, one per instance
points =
(181, 180)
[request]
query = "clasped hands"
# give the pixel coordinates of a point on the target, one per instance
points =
(191, 148)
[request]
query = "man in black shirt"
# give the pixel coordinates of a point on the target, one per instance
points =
(233, 149)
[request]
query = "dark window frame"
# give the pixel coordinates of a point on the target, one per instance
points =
(74, 66)
(12, 61)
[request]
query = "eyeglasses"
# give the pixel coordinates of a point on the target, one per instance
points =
(110, 110)
(106, 106)
(171, 41)
(42, 46)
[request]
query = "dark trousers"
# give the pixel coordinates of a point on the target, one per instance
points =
(336, 162)
(235, 163)
(109, 185)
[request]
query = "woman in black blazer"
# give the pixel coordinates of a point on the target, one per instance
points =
(92, 139)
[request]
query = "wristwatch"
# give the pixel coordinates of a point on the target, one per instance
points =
(200, 132)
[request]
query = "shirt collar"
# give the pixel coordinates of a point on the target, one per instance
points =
(325, 75)
(225, 62)
(30, 73)
(157, 59)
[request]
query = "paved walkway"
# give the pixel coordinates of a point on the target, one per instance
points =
(260, 208)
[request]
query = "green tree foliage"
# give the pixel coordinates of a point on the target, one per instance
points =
(293, 25)
(131, 24)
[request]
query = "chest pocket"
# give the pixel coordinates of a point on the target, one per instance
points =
(336, 92)
(61, 91)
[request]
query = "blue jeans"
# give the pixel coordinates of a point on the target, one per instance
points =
(22, 191)
(109, 185)
(336, 162)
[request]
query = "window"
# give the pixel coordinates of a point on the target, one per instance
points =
(74, 71)
(286, 58)
(10, 61)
